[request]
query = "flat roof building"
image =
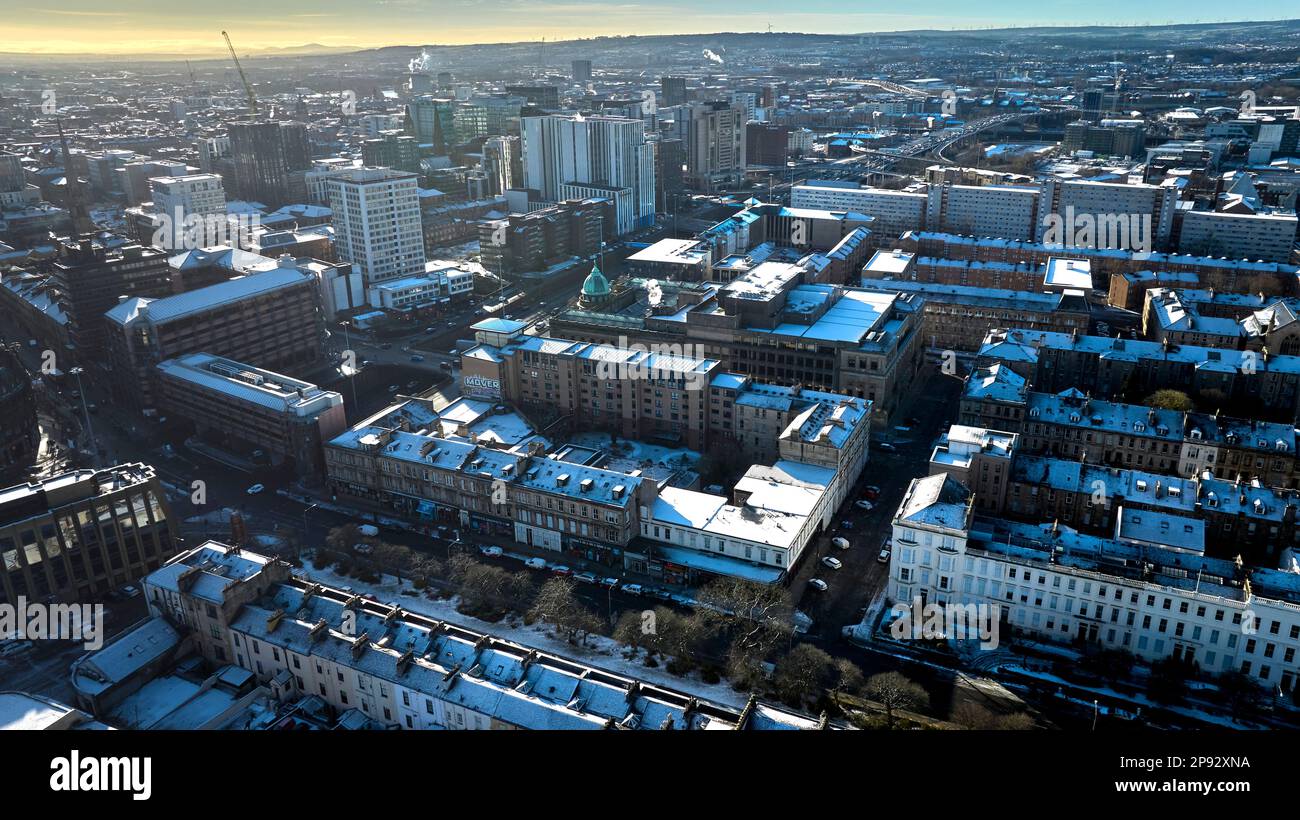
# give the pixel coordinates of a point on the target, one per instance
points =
(287, 418)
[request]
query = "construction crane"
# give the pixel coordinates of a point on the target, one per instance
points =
(248, 89)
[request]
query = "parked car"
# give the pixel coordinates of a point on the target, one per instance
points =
(585, 578)
(631, 589)
(609, 582)
(846, 524)
(818, 584)
(535, 563)
(561, 570)
(871, 492)
(864, 505)
(491, 552)
(363, 548)
(883, 557)
(841, 543)
(393, 388)
(255, 489)
(130, 591)
(833, 563)
(886, 447)
(368, 530)
(417, 358)
(445, 365)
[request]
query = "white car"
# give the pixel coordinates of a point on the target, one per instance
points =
(491, 552)
(841, 543)
(833, 563)
(864, 505)
(255, 489)
(883, 557)
(535, 563)
(818, 584)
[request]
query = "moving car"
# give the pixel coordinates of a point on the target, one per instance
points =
(255, 489)
(886, 447)
(417, 358)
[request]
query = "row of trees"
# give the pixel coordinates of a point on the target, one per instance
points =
(737, 629)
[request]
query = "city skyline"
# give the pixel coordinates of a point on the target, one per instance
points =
(150, 27)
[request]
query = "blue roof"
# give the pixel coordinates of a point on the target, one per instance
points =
(495, 325)
(719, 564)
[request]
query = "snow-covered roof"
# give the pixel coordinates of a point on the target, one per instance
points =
(936, 501)
(202, 299)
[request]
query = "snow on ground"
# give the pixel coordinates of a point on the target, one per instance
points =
(638, 451)
(600, 651)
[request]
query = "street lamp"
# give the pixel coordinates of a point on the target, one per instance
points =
(305, 531)
(90, 430)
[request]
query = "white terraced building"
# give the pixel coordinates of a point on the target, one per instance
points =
(406, 670)
(1053, 583)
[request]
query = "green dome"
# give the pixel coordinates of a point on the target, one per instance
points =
(596, 285)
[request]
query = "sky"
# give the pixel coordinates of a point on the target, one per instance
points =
(194, 26)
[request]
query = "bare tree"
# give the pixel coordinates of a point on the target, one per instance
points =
(459, 565)
(557, 604)
(804, 673)
(342, 538)
(676, 635)
(482, 585)
(394, 559)
(631, 631)
(754, 617)
(894, 690)
(848, 677)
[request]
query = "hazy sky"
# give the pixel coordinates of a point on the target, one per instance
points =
(194, 26)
